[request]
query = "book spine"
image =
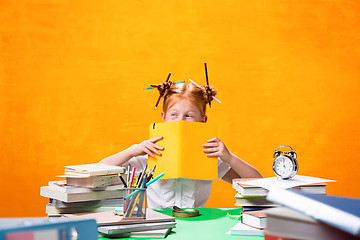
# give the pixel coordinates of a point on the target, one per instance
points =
(49, 192)
(316, 210)
(46, 191)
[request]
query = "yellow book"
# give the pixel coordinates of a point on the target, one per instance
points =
(182, 156)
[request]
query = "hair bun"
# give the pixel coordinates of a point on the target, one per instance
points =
(209, 93)
(163, 88)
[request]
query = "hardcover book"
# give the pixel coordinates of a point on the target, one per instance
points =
(285, 223)
(256, 219)
(261, 201)
(183, 155)
(248, 190)
(339, 212)
(92, 169)
(46, 228)
(66, 196)
(94, 181)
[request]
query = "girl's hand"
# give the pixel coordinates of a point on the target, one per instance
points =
(147, 147)
(216, 148)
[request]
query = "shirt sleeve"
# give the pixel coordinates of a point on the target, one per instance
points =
(223, 168)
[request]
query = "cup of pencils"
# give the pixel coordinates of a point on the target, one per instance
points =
(135, 192)
(135, 203)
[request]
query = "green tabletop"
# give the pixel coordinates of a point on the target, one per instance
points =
(213, 223)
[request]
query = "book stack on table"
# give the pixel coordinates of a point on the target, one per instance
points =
(251, 197)
(88, 188)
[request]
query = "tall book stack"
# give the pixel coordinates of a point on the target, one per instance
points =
(251, 197)
(88, 188)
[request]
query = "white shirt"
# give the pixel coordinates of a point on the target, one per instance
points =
(180, 192)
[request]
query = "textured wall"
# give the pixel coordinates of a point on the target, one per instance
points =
(72, 75)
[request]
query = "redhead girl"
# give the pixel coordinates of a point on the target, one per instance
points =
(184, 102)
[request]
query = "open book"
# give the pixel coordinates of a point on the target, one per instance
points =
(183, 156)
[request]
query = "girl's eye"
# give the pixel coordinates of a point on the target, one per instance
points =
(188, 116)
(173, 114)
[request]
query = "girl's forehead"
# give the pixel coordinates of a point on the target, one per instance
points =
(183, 105)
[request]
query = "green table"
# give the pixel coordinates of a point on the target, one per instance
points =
(213, 223)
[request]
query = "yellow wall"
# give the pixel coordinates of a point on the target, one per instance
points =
(72, 75)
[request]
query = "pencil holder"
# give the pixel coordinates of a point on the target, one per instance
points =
(135, 203)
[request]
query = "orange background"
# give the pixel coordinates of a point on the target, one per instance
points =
(72, 75)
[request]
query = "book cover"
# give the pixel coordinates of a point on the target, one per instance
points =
(46, 228)
(183, 156)
(92, 169)
(290, 224)
(340, 212)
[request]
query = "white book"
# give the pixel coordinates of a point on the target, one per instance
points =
(256, 219)
(94, 181)
(113, 230)
(49, 192)
(63, 187)
(243, 229)
(253, 201)
(93, 169)
(159, 233)
(53, 210)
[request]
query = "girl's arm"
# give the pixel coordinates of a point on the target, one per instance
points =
(146, 147)
(239, 168)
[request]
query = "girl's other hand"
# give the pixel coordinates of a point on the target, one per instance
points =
(147, 147)
(216, 148)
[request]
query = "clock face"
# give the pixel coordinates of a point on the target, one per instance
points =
(284, 166)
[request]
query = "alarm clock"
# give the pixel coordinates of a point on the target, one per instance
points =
(285, 165)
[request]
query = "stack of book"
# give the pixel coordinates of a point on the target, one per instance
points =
(312, 216)
(87, 188)
(251, 197)
(155, 225)
(252, 223)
